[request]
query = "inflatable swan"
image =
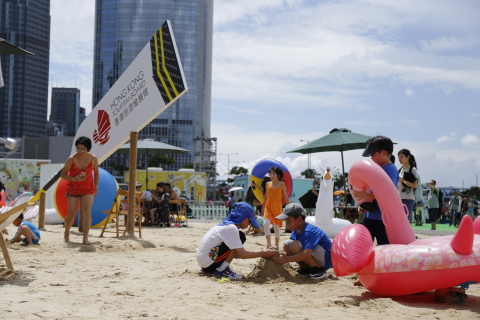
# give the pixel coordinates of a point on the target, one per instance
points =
(406, 266)
(323, 217)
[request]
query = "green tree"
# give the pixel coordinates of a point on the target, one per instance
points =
(237, 171)
(339, 180)
(310, 174)
(474, 191)
(119, 169)
(160, 159)
(188, 165)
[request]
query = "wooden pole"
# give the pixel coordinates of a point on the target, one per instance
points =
(131, 184)
(41, 212)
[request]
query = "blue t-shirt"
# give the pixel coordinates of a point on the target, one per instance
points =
(312, 236)
(392, 172)
(32, 227)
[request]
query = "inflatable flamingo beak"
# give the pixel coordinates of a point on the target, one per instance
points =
(328, 169)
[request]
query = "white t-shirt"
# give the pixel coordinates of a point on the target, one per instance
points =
(411, 193)
(147, 195)
(214, 237)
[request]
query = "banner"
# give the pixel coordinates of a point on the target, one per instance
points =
(152, 82)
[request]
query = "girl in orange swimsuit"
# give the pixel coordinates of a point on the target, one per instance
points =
(81, 172)
(275, 193)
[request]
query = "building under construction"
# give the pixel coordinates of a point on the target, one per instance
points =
(205, 160)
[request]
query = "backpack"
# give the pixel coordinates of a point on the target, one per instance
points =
(419, 190)
(440, 199)
(228, 203)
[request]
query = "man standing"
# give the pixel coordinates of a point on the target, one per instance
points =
(433, 203)
(453, 206)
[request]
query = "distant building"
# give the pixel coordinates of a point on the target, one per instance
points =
(65, 108)
(122, 29)
(56, 129)
(83, 115)
(24, 99)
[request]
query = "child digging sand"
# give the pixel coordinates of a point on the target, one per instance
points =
(26, 232)
(224, 242)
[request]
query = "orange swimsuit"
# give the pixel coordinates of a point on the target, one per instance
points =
(273, 205)
(81, 188)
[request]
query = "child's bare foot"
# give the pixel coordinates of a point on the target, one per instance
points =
(66, 239)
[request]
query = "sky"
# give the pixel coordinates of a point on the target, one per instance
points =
(292, 70)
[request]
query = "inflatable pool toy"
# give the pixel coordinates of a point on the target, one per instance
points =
(52, 217)
(107, 189)
(407, 265)
(323, 211)
(261, 169)
(398, 269)
(366, 174)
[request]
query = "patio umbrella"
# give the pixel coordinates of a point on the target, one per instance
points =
(337, 140)
(150, 146)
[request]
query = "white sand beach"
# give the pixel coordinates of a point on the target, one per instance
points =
(157, 277)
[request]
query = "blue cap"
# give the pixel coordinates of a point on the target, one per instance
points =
(370, 150)
(240, 211)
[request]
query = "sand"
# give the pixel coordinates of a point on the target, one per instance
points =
(158, 278)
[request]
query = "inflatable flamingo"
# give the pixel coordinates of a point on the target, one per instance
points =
(405, 267)
(323, 217)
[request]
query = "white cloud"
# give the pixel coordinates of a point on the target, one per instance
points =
(449, 44)
(469, 140)
(444, 139)
(409, 93)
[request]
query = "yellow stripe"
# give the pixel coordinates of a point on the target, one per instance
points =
(158, 66)
(165, 68)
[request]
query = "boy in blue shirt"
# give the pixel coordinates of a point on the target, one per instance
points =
(26, 232)
(379, 149)
(308, 245)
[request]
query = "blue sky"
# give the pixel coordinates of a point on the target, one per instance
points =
(291, 70)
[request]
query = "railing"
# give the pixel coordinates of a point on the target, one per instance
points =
(213, 212)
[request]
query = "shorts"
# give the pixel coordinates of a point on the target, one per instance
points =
(432, 214)
(148, 205)
(69, 195)
(34, 240)
(318, 254)
(220, 253)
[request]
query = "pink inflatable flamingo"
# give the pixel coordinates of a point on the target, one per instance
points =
(405, 267)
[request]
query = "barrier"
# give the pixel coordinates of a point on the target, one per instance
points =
(202, 211)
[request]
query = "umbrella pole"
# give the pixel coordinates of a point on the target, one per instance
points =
(344, 188)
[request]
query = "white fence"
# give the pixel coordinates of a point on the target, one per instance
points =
(215, 212)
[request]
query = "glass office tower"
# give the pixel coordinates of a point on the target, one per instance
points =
(24, 98)
(123, 28)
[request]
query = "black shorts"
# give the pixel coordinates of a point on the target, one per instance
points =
(377, 230)
(433, 214)
(223, 252)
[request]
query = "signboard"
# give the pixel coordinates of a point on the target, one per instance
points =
(152, 82)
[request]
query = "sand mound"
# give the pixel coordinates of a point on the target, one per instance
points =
(267, 271)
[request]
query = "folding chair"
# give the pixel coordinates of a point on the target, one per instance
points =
(116, 210)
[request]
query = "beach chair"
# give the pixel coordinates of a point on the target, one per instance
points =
(116, 211)
(7, 215)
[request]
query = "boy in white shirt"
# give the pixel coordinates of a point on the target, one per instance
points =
(224, 242)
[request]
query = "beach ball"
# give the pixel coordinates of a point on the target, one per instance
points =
(107, 189)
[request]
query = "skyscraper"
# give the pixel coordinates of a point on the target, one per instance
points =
(65, 108)
(24, 99)
(123, 27)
